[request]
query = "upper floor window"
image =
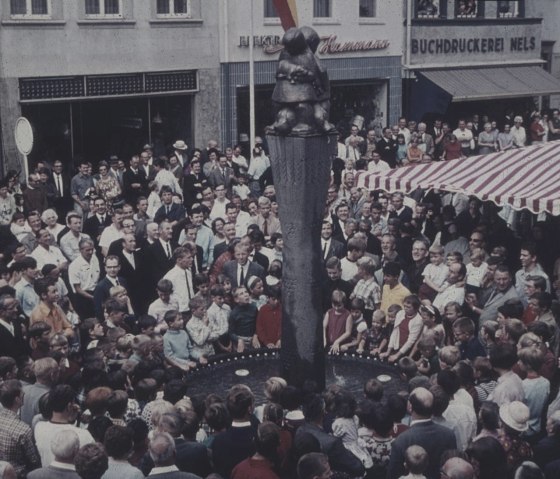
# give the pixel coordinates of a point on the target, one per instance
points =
(104, 8)
(270, 9)
(466, 9)
(428, 8)
(30, 8)
(367, 8)
(508, 8)
(173, 8)
(322, 9)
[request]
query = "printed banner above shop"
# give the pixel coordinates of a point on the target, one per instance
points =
(525, 178)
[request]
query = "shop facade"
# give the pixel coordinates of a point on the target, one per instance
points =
(106, 82)
(362, 55)
(486, 62)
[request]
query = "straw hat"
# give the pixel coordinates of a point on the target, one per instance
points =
(180, 145)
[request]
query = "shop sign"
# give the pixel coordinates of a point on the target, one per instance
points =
(475, 43)
(329, 45)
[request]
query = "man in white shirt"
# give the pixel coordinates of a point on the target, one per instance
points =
(181, 277)
(377, 165)
(44, 253)
(112, 232)
(464, 136)
(69, 243)
(453, 288)
(83, 275)
(241, 219)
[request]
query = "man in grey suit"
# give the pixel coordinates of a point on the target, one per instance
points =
(162, 451)
(425, 140)
(434, 438)
(64, 446)
(503, 291)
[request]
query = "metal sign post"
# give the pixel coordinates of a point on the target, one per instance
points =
(24, 141)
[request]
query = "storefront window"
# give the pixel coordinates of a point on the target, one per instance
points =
(322, 9)
(97, 129)
(367, 8)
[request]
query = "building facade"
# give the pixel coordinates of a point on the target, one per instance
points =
(466, 57)
(103, 77)
(361, 48)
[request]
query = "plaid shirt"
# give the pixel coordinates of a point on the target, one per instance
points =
(369, 291)
(17, 445)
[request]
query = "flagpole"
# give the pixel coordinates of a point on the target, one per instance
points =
(251, 85)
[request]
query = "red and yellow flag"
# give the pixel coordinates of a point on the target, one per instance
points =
(287, 12)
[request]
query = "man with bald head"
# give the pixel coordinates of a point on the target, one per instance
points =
(457, 468)
(434, 438)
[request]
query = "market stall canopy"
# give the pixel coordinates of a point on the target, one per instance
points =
(473, 84)
(524, 178)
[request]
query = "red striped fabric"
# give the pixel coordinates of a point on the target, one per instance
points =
(522, 178)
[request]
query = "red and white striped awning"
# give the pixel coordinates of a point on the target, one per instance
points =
(525, 178)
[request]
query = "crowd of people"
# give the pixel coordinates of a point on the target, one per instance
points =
(115, 284)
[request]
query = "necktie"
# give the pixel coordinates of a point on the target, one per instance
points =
(325, 250)
(117, 281)
(168, 251)
(102, 219)
(188, 283)
(265, 227)
(131, 260)
(166, 209)
(241, 277)
(58, 185)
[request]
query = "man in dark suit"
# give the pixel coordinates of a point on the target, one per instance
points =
(170, 211)
(330, 246)
(133, 271)
(387, 148)
(193, 184)
(241, 269)
(339, 219)
(434, 438)
(112, 278)
(229, 233)
(134, 181)
(12, 342)
(400, 211)
(144, 166)
(61, 183)
(159, 256)
(221, 175)
(333, 280)
(340, 458)
(95, 224)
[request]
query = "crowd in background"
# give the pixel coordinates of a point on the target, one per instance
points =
(119, 278)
